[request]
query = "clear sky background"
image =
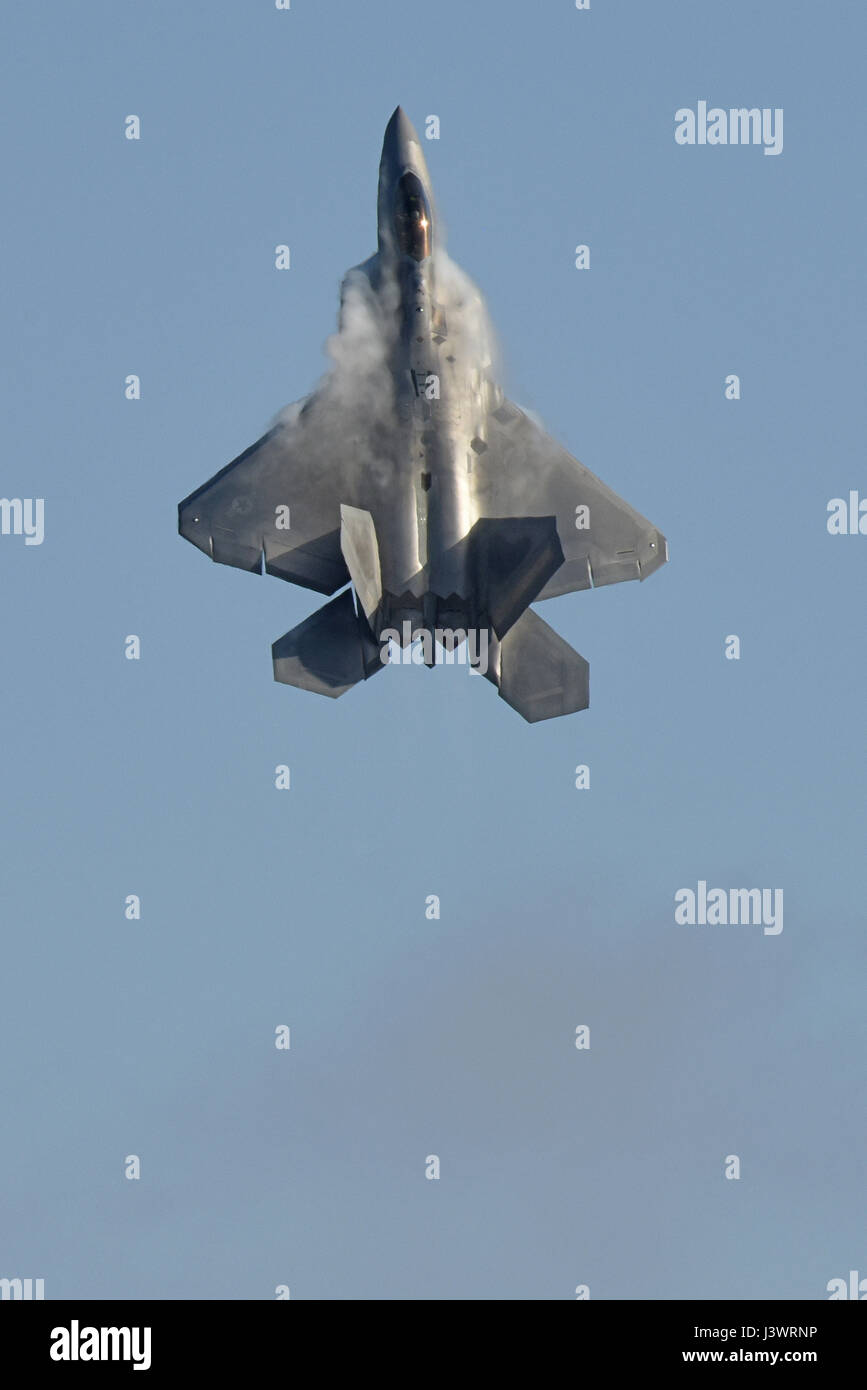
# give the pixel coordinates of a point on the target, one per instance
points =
(260, 907)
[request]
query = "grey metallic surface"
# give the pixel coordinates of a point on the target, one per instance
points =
(409, 473)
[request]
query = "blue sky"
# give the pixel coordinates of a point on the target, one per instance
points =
(412, 1037)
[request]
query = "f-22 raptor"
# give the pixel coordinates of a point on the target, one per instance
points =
(410, 483)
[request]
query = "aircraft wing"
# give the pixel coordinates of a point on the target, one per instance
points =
(278, 501)
(522, 471)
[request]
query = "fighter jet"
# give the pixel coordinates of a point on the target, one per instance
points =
(407, 481)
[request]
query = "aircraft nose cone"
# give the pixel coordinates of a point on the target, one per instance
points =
(399, 132)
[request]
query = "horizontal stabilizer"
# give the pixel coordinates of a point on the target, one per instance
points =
(329, 652)
(537, 673)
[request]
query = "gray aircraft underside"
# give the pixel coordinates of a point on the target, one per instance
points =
(410, 483)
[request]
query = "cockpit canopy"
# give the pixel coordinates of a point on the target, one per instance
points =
(412, 218)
